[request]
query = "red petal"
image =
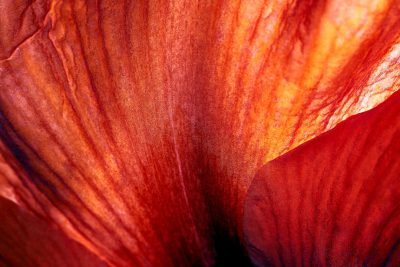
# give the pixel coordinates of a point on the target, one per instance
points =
(97, 130)
(279, 73)
(121, 117)
(20, 20)
(334, 201)
(29, 242)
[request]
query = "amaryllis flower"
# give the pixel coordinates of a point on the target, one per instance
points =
(199, 133)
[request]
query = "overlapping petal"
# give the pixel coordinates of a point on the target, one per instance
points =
(282, 72)
(136, 126)
(333, 201)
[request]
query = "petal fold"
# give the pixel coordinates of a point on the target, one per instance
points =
(20, 20)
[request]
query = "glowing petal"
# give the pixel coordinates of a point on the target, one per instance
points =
(279, 73)
(133, 122)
